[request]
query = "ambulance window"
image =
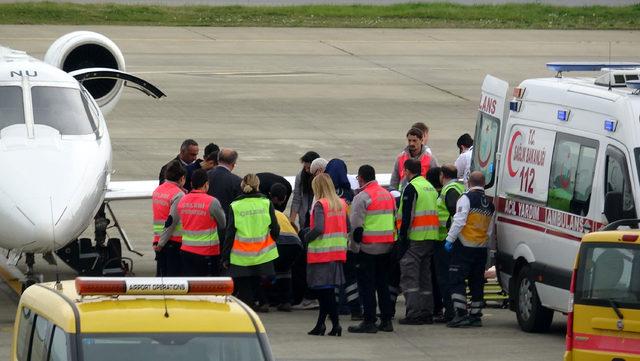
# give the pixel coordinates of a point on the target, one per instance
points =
(485, 145)
(38, 346)
(11, 106)
(617, 180)
(58, 346)
(25, 331)
(571, 176)
(63, 109)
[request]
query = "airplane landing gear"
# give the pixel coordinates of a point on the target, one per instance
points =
(102, 258)
(30, 277)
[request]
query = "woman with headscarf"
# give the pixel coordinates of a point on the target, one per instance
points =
(337, 170)
(250, 247)
(349, 296)
(326, 251)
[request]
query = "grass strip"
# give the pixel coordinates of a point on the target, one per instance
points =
(431, 15)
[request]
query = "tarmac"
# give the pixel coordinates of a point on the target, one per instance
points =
(274, 93)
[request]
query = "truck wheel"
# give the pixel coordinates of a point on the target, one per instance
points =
(532, 316)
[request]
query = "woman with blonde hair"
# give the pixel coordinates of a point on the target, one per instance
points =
(250, 247)
(326, 251)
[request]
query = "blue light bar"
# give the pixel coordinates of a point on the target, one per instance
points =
(610, 125)
(563, 115)
(589, 66)
(514, 105)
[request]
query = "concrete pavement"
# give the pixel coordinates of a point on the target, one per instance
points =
(350, 93)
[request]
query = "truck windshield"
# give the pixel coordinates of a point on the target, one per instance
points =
(171, 346)
(609, 272)
(64, 109)
(11, 106)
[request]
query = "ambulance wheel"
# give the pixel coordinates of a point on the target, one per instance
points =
(532, 316)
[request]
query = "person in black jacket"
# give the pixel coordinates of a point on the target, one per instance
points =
(224, 185)
(188, 154)
(277, 196)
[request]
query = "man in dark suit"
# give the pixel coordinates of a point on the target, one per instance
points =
(188, 154)
(224, 185)
(279, 195)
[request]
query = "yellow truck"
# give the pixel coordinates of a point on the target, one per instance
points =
(137, 319)
(604, 317)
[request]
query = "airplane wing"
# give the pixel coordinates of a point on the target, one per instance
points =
(126, 190)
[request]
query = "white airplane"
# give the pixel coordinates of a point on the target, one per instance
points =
(52, 119)
(55, 153)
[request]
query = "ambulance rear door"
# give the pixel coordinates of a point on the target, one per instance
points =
(490, 125)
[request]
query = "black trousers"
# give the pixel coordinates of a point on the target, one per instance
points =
(168, 263)
(467, 263)
(442, 260)
(287, 255)
(248, 289)
(349, 294)
(373, 277)
(195, 265)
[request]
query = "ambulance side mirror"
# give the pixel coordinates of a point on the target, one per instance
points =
(613, 206)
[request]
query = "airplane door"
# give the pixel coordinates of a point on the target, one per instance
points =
(132, 81)
(490, 125)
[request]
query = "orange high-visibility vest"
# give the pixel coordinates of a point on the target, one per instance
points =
(161, 203)
(331, 245)
(379, 222)
(425, 161)
(199, 228)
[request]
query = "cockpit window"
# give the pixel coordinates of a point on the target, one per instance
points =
(11, 106)
(63, 109)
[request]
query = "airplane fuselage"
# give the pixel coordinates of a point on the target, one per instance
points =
(55, 155)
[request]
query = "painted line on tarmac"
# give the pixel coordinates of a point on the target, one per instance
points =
(396, 71)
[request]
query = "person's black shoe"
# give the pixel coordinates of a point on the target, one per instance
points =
(318, 330)
(363, 327)
(427, 320)
(284, 307)
(411, 321)
(385, 326)
(335, 331)
(475, 321)
(459, 321)
(264, 308)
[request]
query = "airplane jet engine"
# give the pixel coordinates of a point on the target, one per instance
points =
(86, 49)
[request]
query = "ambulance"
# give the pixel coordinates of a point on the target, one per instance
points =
(604, 316)
(561, 159)
(137, 319)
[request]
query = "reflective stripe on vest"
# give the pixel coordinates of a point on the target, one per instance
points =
(425, 162)
(199, 228)
(161, 206)
(253, 244)
(424, 217)
(379, 224)
(331, 245)
(475, 231)
(443, 212)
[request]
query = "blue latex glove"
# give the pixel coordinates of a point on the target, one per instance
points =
(448, 245)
